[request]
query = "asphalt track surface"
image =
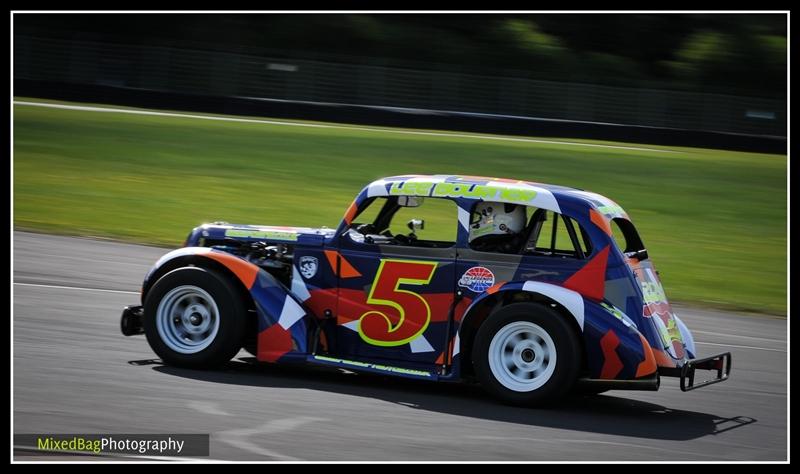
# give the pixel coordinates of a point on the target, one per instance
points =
(74, 372)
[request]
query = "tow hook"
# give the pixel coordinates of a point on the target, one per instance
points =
(131, 322)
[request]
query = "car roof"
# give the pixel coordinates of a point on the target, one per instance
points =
(512, 191)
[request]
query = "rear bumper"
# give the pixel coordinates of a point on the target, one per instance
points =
(720, 364)
(131, 322)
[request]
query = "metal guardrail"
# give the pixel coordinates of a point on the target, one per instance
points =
(230, 74)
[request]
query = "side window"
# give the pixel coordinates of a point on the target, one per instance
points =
(584, 242)
(556, 235)
(406, 221)
(515, 229)
(440, 218)
(369, 214)
(498, 227)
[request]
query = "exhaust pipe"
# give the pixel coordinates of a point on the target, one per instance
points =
(650, 382)
(131, 322)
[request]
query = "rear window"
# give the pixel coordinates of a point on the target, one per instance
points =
(626, 237)
(557, 235)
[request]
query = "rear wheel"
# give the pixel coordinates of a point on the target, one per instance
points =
(194, 318)
(526, 354)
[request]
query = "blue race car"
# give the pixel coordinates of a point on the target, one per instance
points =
(533, 290)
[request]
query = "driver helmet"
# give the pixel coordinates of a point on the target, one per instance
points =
(496, 218)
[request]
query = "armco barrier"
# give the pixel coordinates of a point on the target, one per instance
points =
(398, 117)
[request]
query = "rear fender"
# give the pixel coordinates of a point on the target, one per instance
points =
(282, 329)
(571, 301)
(686, 335)
(614, 347)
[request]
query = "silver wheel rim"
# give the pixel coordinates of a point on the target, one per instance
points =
(187, 319)
(522, 356)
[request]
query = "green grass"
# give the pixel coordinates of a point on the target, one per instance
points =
(714, 221)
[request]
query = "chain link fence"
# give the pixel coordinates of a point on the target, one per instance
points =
(502, 93)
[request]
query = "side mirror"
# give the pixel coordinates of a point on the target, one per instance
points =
(409, 201)
(416, 224)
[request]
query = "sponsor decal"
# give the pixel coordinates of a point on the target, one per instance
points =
(611, 210)
(618, 314)
(261, 234)
(657, 309)
(614, 311)
(537, 274)
(670, 336)
(477, 279)
(368, 365)
(308, 266)
(652, 292)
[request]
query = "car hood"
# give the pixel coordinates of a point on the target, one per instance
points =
(220, 232)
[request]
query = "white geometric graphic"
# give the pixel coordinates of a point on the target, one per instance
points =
(291, 313)
(420, 344)
(352, 325)
(457, 345)
(571, 300)
(298, 286)
(463, 218)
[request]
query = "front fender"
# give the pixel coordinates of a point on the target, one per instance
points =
(282, 327)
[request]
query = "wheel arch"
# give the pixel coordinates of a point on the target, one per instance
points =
(183, 258)
(197, 260)
(275, 316)
(566, 302)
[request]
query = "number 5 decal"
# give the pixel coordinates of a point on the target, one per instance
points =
(375, 327)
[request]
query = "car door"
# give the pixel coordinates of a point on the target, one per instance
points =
(395, 295)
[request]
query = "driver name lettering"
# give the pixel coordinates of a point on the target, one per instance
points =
(411, 188)
(461, 190)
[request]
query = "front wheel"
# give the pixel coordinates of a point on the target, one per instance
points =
(526, 354)
(194, 318)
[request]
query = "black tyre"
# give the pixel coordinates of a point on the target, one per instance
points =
(527, 354)
(251, 349)
(250, 341)
(194, 317)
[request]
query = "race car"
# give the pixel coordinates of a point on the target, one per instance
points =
(531, 290)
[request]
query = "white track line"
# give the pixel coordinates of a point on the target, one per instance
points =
(243, 438)
(315, 125)
(77, 288)
(721, 334)
(209, 408)
(740, 347)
